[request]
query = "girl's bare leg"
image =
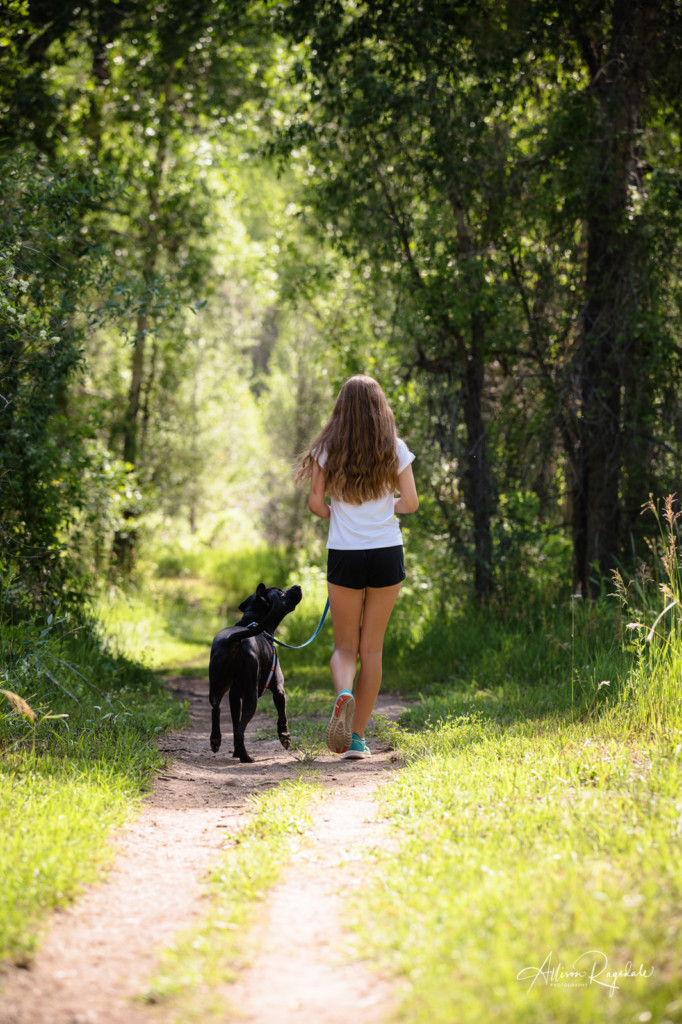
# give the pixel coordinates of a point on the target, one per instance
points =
(379, 602)
(346, 610)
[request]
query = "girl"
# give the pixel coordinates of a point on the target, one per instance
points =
(360, 462)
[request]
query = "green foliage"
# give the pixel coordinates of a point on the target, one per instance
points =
(169, 618)
(122, 140)
(64, 666)
(460, 202)
(438, 189)
(234, 572)
(42, 454)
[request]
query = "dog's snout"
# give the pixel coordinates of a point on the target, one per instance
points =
(296, 592)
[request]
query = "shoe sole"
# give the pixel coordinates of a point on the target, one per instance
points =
(339, 732)
(357, 755)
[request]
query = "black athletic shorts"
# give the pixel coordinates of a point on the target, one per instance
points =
(375, 567)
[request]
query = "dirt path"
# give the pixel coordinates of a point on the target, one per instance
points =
(99, 951)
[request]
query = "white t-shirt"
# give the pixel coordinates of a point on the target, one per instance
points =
(373, 524)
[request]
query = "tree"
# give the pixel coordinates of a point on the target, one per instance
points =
(43, 452)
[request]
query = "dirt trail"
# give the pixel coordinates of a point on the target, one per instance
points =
(100, 951)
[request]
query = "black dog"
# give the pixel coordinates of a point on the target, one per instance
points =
(245, 662)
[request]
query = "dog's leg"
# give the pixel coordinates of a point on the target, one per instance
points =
(248, 702)
(216, 736)
(236, 712)
(280, 701)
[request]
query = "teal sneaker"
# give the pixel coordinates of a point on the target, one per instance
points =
(338, 730)
(357, 749)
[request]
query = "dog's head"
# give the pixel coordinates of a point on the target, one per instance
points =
(269, 605)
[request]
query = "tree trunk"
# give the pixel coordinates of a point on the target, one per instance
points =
(476, 476)
(124, 539)
(611, 279)
(461, 370)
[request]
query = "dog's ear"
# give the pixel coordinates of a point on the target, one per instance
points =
(262, 591)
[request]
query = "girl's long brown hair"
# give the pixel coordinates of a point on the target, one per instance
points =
(359, 440)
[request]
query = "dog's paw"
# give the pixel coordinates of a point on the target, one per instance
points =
(215, 745)
(285, 739)
(246, 758)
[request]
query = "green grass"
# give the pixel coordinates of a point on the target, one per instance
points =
(56, 817)
(524, 839)
(165, 625)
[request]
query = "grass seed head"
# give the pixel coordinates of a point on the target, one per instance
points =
(20, 705)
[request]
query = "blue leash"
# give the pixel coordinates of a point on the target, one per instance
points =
(297, 647)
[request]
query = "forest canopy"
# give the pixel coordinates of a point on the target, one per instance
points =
(213, 212)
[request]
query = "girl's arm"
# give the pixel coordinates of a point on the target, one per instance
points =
(316, 502)
(408, 500)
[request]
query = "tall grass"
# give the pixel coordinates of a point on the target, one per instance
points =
(652, 699)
